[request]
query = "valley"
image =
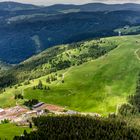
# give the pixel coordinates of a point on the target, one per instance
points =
(38, 28)
(70, 71)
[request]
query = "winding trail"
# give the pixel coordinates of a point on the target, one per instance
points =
(136, 53)
(66, 72)
(63, 75)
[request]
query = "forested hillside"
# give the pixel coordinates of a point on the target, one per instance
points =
(69, 72)
(55, 59)
(25, 36)
(80, 128)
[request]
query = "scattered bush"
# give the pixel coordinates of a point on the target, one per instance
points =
(30, 103)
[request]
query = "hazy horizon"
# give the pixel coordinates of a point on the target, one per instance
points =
(51, 2)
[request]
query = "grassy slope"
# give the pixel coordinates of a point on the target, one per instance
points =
(100, 85)
(8, 131)
(130, 30)
(96, 86)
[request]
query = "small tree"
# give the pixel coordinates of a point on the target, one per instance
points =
(48, 80)
(18, 96)
(40, 85)
(34, 87)
(45, 88)
(25, 133)
(5, 121)
(30, 125)
(27, 82)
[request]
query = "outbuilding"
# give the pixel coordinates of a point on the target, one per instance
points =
(2, 111)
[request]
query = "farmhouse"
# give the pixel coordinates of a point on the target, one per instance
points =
(38, 105)
(71, 112)
(2, 112)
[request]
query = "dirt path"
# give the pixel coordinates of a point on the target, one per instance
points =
(63, 75)
(66, 72)
(136, 53)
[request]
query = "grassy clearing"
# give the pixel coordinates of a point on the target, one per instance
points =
(8, 131)
(130, 30)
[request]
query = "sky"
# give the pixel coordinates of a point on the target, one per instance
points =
(51, 2)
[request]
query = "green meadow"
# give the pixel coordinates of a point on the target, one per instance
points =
(99, 85)
(8, 131)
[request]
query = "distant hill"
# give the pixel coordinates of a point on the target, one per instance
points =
(27, 29)
(92, 7)
(14, 6)
(22, 37)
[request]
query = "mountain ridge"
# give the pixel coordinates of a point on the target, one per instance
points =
(11, 6)
(54, 30)
(30, 30)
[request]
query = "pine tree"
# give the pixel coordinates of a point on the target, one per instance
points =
(30, 125)
(40, 85)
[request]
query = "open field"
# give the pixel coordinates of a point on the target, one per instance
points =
(100, 85)
(8, 131)
(97, 86)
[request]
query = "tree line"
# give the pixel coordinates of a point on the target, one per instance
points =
(133, 105)
(80, 128)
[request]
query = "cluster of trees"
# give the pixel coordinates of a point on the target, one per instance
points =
(7, 79)
(133, 107)
(80, 128)
(127, 110)
(27, 82)
(135, 99)
(5, 121)
(18, 96)
(51, 78)
(97, 51)
(41, 86)
(31, 102)
(63, 64)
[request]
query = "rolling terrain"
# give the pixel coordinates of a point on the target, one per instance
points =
(40, 32)
(14, 6)
(99, 85)
(27, 30)
(69, 71)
